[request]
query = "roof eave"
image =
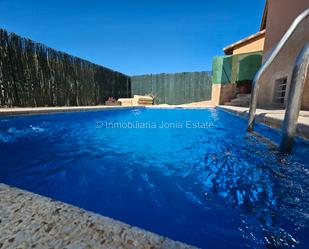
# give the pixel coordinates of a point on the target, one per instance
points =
(229, 49)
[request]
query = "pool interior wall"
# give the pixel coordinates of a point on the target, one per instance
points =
(193, 175)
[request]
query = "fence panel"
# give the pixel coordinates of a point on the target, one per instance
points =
(174, 89)
(31, 74)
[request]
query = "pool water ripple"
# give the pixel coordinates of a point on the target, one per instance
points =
(212, 187)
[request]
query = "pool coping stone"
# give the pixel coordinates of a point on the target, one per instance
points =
(272, 118)
(29, 220)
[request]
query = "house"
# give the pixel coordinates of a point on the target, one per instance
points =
(275, 82)
(251, 44)
(243, 58)
(233, 73)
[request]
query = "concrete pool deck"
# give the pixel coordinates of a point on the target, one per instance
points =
(272, 118)
(29, 220)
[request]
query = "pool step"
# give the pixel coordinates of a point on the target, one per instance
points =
(242, 99)
(241, 95)
(265, 140)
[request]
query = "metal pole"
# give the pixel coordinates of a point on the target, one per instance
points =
(270, 59)
(253, 99)
(294, 99)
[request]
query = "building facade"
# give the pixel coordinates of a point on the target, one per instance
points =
(275, 82)
(277, 17)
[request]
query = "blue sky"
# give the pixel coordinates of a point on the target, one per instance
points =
(135, 36)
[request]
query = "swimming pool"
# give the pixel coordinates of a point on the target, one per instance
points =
(193, 175)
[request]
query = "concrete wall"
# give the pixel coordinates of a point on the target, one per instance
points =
(254, 45)
(280, 15)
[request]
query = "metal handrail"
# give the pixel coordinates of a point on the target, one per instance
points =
(270, 59)
(294, 100)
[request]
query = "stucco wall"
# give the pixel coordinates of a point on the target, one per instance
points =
(283, 66)
(222, 93)
(251, 46)
(281, 14)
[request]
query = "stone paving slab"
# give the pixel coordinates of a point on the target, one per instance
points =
(29, 220)
(273, 118)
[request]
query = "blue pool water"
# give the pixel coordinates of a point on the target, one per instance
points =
(200, 179)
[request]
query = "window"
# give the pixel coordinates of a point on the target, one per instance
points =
(280, 90)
